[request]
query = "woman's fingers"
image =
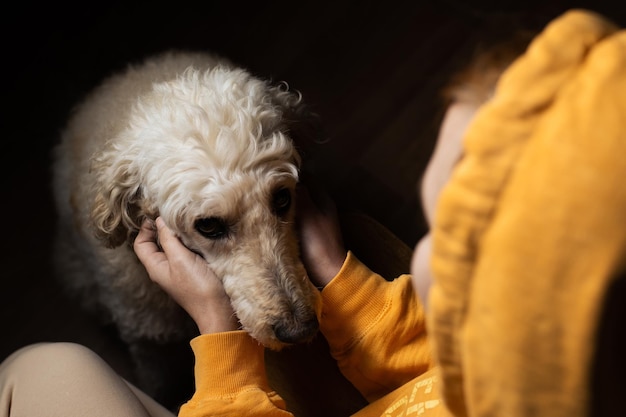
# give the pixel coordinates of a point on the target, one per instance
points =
(147, 250)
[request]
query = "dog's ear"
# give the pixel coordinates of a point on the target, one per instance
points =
(116, 213)
(303, 124)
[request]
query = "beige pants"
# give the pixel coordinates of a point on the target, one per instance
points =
(65, 380)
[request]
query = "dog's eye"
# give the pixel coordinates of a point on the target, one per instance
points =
(212, 227)
(282, 201)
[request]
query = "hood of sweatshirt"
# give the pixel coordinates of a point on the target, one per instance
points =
(530, 232)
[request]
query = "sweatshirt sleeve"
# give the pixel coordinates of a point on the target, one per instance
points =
(375, 329)
(230, 378)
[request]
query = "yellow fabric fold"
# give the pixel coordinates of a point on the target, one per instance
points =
(530, 231)
(230, 378)
(375, 328)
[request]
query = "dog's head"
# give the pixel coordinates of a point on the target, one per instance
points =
(211, 153)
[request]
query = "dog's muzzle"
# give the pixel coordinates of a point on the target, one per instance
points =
(296, 331)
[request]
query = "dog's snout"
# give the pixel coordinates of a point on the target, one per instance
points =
(296, 332)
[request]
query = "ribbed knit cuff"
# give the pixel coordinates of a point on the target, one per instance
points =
(353, 302)
(228, 363)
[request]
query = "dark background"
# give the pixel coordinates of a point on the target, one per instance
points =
(373, 70)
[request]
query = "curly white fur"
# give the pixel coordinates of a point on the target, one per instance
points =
(186, 136)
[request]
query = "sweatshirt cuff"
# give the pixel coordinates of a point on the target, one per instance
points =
(219, 358)
(352, 303)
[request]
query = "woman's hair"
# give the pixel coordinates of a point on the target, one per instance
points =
(476, 82)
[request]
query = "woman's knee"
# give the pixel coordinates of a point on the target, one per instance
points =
(50, 357)
(67, 379)
(50, 350)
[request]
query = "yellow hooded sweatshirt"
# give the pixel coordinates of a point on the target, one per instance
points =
(531, 230)
(528, 236)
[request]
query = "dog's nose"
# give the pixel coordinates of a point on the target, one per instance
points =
(296, 332)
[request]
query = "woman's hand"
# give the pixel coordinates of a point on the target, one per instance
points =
(321, 242)
(186, 277)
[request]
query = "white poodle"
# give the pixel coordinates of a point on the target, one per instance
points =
(208, 147)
